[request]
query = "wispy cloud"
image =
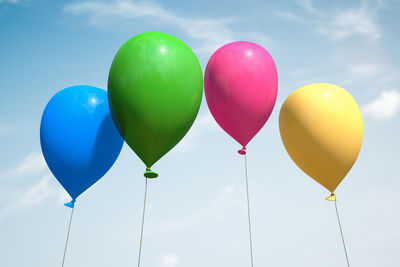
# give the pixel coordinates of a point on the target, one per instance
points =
(376, 70)
(353, 32)
(9, 1)
(385, 106)
(9, 128)
(351, 22)
(33, 196)
(366, 70)
(168, 260)
(211, 32)
(31, 166)
(20, 3)
(341, 24)
(36, 193)
(214, 210)
(290, 16)
(307, 4)
(203, 125)
(34, 163)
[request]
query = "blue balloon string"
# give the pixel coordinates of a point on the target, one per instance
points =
(69, 229)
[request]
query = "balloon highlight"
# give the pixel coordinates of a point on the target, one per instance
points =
(78, 138)
(241, 85)
(155, 87)
(322, 130)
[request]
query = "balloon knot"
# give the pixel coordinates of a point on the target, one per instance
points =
(332, 197)
(242, 151)
(150, 174)
(70, 204)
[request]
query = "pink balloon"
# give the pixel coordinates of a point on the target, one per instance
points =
(241, 85)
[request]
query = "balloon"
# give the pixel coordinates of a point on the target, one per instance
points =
(155, 88)
(241, 85)
(79, 140)
(321, 129)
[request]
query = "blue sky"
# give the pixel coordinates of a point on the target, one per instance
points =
(196, 209)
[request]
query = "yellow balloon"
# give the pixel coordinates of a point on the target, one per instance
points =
(322, 130)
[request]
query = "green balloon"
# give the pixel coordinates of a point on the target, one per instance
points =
(155, 88)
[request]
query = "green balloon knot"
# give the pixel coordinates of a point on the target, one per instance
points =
(150, 174)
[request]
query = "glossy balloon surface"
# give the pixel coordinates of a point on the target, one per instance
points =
(241, 85)
(322, 130)
(155, 88)
(79, 140)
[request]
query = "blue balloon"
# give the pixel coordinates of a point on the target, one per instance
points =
(79, 140)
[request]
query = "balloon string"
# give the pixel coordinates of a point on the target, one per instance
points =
(141, 232)
(69, 229)
(341, 233)
(248, 210)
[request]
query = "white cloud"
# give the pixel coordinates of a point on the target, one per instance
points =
(34, 163)
(351, 22)
(366, 70)
(168, 260)
(289, 16)
(351, 62)
(36, 193)
(6, 129)
(211, 32)
(377, 71)
(306, 4)
(31, 166)
(205, 121)
(63, 197)
(341, 24)
(385, 106)
(214, 210)
(228, 189)
(32, 197)
(203, 125)
(9, 1)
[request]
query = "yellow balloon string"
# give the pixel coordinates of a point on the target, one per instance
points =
(341, 233)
